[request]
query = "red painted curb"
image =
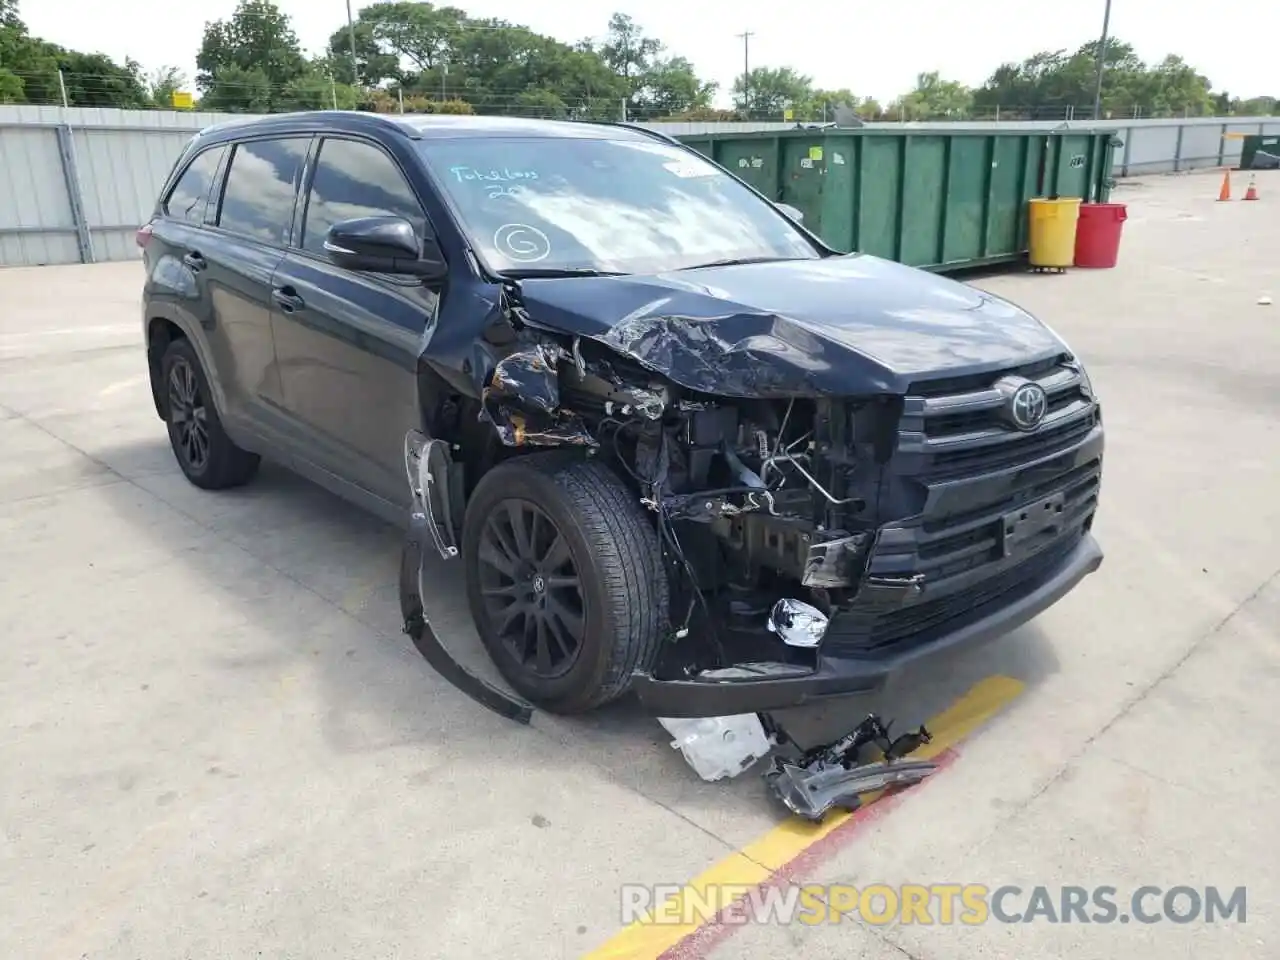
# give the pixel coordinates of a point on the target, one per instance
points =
(697, 945)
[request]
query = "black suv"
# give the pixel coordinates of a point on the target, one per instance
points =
(678, 444)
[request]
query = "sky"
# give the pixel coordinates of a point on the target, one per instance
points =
(872, 49)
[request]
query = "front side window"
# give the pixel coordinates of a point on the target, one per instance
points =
(627, 206)
(352, 180)
(187, 199)
(257, 200)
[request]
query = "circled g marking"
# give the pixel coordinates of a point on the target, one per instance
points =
(522, 243)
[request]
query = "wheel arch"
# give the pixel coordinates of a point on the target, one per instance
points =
(163, 327)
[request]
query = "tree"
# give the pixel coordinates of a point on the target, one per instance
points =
(627, 51)
(821, 105)
(770, 92)
(29, 70)
(669, 87)
(654, 86)
(1060, 84)
(95, 80)
(373, 66)
(162, 84)
(933, 98)
(247, 61)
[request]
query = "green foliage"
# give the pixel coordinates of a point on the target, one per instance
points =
(162, 84)
(933, 98)
(31, 65)
(94, 80)
(12, 89)
(248, 62)
(768, 92)
(1052, 82)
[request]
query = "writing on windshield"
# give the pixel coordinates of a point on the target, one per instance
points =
(628, 205)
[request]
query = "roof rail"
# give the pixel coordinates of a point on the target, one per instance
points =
(648, 132)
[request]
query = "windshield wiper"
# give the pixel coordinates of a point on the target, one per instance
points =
(534, 273)
(737, 261)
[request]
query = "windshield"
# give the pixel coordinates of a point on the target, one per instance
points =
(615, 206)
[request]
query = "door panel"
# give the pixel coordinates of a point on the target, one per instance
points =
(238, 259)
(347, 343)
(348, 350)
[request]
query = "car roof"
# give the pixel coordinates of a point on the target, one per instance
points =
(425, 126)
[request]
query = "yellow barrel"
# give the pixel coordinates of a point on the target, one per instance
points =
(1053, 231)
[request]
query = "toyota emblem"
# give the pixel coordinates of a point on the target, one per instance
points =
(1027, 406)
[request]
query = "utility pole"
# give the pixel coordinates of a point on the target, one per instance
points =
(351, 35)
(1102, 60)
(746, 36)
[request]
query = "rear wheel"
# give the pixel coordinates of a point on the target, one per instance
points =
(564, 578)
(204, 452)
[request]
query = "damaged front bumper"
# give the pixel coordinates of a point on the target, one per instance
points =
(766, 687)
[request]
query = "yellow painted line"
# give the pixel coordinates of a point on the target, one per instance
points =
(758, 861)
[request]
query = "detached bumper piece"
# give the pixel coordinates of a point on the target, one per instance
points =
(831, 776)
(433, 651)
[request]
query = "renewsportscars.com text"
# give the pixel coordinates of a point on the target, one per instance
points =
(970, 904)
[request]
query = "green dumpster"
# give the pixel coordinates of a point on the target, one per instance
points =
(1260, 152)
(938, 200)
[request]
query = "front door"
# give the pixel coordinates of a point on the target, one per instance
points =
(347, 343)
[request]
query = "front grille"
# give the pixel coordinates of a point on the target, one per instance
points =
(955, 428)
(970, 487)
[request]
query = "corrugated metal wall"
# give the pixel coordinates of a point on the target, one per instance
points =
(75, 183)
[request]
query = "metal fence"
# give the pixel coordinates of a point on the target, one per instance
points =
(76, 182)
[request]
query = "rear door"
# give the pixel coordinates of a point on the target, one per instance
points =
(238, 257)
(348, 342)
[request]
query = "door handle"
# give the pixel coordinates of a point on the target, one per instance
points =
(287, 299)
(195, 261)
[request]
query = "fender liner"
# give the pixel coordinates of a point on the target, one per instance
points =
(419, 629)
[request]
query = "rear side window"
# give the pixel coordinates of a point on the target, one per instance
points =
(257, 200)
(356, 179)
(186, 200)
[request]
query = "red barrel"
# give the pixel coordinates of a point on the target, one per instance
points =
(1098, 234)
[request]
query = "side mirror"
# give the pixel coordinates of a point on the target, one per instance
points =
(792, 213)
(384, 245)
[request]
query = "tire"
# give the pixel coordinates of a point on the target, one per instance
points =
(619, 606)
(204, 452)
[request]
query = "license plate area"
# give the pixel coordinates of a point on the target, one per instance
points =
(1034, 524)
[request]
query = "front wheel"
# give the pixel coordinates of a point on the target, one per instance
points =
(565, 580)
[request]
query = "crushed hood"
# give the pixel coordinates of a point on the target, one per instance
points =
(845, 325)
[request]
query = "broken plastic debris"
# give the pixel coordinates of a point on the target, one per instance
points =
(811, 793)
(830, 775)
(719, 747)
(797, 623)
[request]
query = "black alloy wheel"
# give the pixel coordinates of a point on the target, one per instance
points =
(189, 416)
(531, 588)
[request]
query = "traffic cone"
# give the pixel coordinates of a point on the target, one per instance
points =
(1252, 192)
(1225, 192)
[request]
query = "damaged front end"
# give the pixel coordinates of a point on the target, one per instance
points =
(820, 525)
(758, 501)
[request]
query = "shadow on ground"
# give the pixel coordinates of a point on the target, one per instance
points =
(289, 557)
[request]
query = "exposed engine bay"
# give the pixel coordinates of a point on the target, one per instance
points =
(761, 503)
